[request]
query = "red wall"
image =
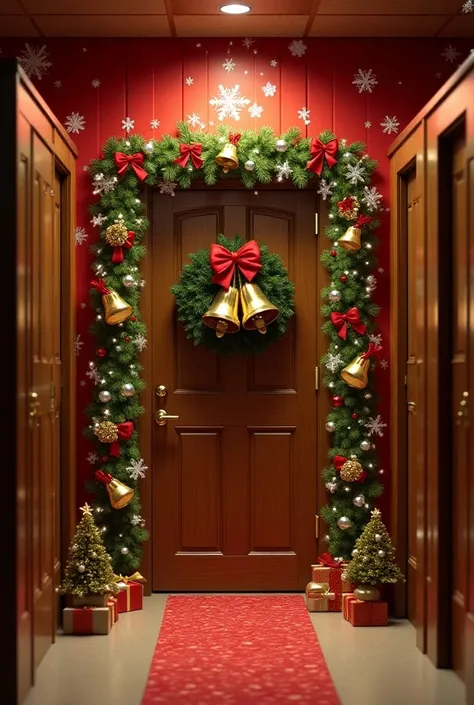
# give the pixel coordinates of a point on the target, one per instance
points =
(145, 79)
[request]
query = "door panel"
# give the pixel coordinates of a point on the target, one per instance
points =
(235, 477)
(469, 624)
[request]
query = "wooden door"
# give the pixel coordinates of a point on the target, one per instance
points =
(235, 477)
(469, 623)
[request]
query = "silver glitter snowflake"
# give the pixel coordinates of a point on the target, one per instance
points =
(468, 6)
(334, 362)
(331, 487)
(128, 124)
(75, 123)
(136, 520)
(324, 189)
(229, 102)
(80, 235)
(375, 426)
(367, 124)
(255, 111)
(95, 83)
(167, 187)
(390, 124)
(355, 173)
(229, 65)
(247, 42)
(140, 341)
(189, 81)
(34, 61)
(98, 220)
(376, 339)
(103, 184)
(137, 469)
(365, 80)
(384, 364)
(273, 63)
(78, 343)
(269, 89)
(92, 458)
(371, 198)
(93, 374)
(304, 114)
(450, 54)
(194, 120)
(283, 171)
(154, 124)
(297, 48)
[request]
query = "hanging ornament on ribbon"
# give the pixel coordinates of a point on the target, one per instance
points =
(119, 494)
(134, 161)
(352, 471)
(351, 239)
(188, 151)
(116, 310)
(118, 237)
(227, 157)
(352, 318)
(108, 432)
(320, 152)
(224, 262)
(356, 373)
(349, 207)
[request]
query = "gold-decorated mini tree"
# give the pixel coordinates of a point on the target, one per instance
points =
(88, 570)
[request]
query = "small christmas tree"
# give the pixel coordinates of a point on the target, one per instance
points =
(89, 570)
(373, 559)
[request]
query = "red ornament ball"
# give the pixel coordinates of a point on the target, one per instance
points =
(101, 352)
(343, 278)
(133, 319)
(355, 415)
(104, 459)
(333, 253)
(127, 339)
(337, 401)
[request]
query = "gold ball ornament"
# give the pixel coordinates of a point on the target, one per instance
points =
(116, 235)
(106, 432)
(351, 471)
(352, 212)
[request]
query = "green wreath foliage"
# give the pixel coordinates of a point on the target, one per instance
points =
(195, 292)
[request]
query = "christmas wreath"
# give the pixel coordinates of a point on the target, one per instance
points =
(212, 272)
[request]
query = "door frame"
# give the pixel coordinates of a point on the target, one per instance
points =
(145, 423)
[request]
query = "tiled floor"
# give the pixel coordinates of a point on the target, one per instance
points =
(378, 666)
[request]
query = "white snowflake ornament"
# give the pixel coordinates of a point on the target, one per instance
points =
(189, 81)
(365, 80)
(468, 6)
(34, 61)
(154, 124)
(95, 83)
(92, 458)
(390, 124)
(194, 120)
(450, 54)
(229, 65)
(375, 426)
(384, 364)
(283, 171)
(367, 124)
(229, 102)
(255, 111)
(140, 341)
(247, 42)
(273, 63)
(304, 114)
(98, 220)
(334, 362)
(297, 48)
(324, 189)
(128, 124)
(78, 343)
(269, 89)
(58, 84)
(136, 520)
(74, 123)
(355, 173)
(376, 339)
(137, 469)
(93, 374)
(103, 184)
(167, 187)
(80, 235)
(371, 198)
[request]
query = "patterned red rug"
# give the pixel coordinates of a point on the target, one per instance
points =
(238, 651)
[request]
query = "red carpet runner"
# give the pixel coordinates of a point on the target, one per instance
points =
(228, 650)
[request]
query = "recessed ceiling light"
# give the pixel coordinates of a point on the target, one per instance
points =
(235, 8)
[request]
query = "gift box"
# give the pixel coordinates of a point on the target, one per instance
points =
(130, 597)
(90, 601)
(318, 597)
(346, 599)
(330, 571)
(363, 613)
(87, 620)
(112, 603)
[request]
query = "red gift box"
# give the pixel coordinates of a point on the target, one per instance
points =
(330, 571)
(363, 613)
(130, 597)
(87, 620)
(113, 604)
(346, 599)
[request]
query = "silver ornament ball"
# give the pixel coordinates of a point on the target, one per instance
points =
(250, 165)
(365, 445)
(94, 554)
(127, 390)
(128, 281)
(368, 395)
(105, 396)
(81, 568)
(344, 523)
(334, 295)
(281, 145)
(381, 553)
(124, 551)
(148, 148)
(330, 426)
(359, 501)
(355, 552)
(74, 547)
(378, 537)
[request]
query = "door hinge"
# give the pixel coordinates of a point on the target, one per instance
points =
(316, 526)
(316, 378)
(406, 380)
(316, 223)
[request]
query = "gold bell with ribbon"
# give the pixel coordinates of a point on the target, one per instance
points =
(351, 239)
(227, 157)
(119, 494)
(223, 314)
(116, 310)
(257, 311)
(355, 374)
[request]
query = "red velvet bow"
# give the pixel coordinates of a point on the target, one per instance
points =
(123, 161)
(234, 139)
(339, 461)
(125, 431)
(100, 286)
(117, 256)
(352, 318)
(363, 220)
(319, 151)
(328, 561)
(371, 350)
(103, 477)
(223, 262)
(190, 150)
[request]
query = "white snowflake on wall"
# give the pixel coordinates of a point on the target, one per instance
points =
(194, 120)
(255, 111)
(229, 102)
(365, 80)
(450, 54)
(367, 124)
(334, 362)
(74, 123)
(269, 89)
(167, 187)
(324, 189)
(390, 124)
(58, 84)
(229, 65)
(304, 114)
(247, 42)
(384, 364)
(80, 235)
(92, 458)
(189, 81)
(78, 343)
(371, 198)
(128, 124)
(93, 373)
(103, 184)
(375, 426)
(137, 469)
(95, 83)
(34, 61)
(154, 124)
(98, 220)
(273, 63)
(355, 173)
(140, 341)
(376, 338)
(297, 47)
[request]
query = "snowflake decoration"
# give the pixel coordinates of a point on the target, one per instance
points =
(381, 270)
(128, 124)
(375, 426)
(283, 171)
(136, 520)
(154, 124)
(273, 63)
(137, 469)
(269, 89)
(376, 339)
(229, 65)
(82, 383)
(189, 81)
(229, 102)
(355, 173)
(92, 458)
(78, 343)
(247, 42)
(468, 6)
(324, 189)
(194, 120)
(297, 48)
(304, 114)
(95, 83)
(83, 305)
(141, 342)
(390, 124)
(334, 362)
(450, 54)
(103, 184)
(371, 283)
(75, 123)
(98, 220)
(331, 486)
(365, 80)
(367, 124)
(371, 198)
(167, 187)
(58, 84)
(255, 111)
(80, 235)
(93, 374)
(384, 364)
(34, 61)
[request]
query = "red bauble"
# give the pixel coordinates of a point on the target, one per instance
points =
(104, 459)
(127, 339)
(355, 416)
(133, 319)
(101, 352)
(337, 401)
(333, 253)
(343, 278)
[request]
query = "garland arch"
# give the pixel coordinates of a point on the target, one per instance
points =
(345, 174)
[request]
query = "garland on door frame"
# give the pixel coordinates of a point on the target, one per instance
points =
(255, 157)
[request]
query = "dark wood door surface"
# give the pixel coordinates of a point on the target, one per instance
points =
(235, 477)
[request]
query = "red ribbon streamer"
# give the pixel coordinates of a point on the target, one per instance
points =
(100, 286)
(319, 152)
(117, 255)
(371, 350)
(352, 317)
(190, 150)
(223, 262)
(123, 161)
(328, 561)
(103, 477)
(363, 220)
(125, 431)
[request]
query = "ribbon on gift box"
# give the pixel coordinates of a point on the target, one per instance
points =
(135, 578)
(88, 620)
(130, 597)
(329, 562)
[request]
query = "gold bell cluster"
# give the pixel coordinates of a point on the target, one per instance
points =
(256, 309)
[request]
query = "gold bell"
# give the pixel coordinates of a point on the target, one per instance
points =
(116, 310)
(258, 311)
(119, 494)
(351, 239)
(223, 315)
(356, 373)
(227, 157)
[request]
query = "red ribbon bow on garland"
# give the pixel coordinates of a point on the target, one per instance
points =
(319, 152)
(190, 150)
(339, 461)
(371, 350)
(352, 318)
(103, 477)
(328, 561)
(117, 255)
(100, 286)
(363, 220)
(234, 139)
(223, 262)
(123, 161)
(124, 431)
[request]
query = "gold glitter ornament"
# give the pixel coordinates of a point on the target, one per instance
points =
(349, 208)
(351, 471)
(106, 432)
(116, 235)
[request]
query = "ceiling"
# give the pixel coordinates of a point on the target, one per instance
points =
(201, 18)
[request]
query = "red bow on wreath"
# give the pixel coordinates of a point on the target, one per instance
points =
(319, 152)
(103, 477)
(190, 150)
(363, 220)
(123, 161)
(117, 255)
(124, 431)
(339, 461)
(328, 561)
(352, 317)
(371, 350)
(223, 262)
(234, 139)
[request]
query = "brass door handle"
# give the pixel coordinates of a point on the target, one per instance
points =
(161, 417)
(34, 403)
(411, 407)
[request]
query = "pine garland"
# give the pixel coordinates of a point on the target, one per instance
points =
(119, 202)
